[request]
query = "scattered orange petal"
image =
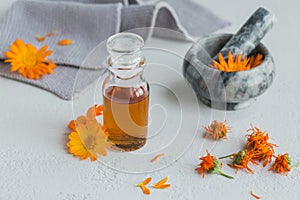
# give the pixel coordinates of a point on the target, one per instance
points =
(143, 187)
(161, 184)
(145, 182)
(156, 157)
(255, 196)
(52, 33)
(65, 42)
(40, 38)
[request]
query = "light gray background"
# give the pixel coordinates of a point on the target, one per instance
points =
(34, 164)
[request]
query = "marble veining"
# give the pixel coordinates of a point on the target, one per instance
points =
(250, 34)
(226, 90)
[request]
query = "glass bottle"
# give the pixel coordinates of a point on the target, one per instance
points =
(126, 92)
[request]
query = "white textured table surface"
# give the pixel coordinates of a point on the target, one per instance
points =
(35, 165)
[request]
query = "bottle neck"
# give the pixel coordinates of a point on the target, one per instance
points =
(126, 67)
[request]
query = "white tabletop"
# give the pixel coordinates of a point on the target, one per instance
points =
(35, 165)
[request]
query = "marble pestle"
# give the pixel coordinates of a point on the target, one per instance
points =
(250, 34)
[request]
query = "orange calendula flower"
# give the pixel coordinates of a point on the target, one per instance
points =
(241, 160)
(143, 184)
(29, 61)
(216, 130)
(258, 144)
(89, 139)
(283, 164)
(65, 42)
(235, 63)
(161, 184)
(210, 164)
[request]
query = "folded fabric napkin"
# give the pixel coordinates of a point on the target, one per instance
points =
(89, 23)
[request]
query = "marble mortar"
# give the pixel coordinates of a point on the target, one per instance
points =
(226, 90)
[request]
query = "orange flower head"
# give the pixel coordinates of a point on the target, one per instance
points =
(235, 63)
(241, 161)
(258, 144)
(88, 140)
(216, 130)
(282, 164)
(209, 164)
(28, 61)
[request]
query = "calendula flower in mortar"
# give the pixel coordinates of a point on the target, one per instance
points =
(241, 160)
(235, 63)
(143, 184)
(258, 144)
(216, 130)
(28, 60)
(211, 165)
(283, 164)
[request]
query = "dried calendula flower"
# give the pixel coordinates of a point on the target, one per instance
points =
(216, 130)
(283, 164)
(143, 184)
(210, 164)
(235, 63)
(241, 160)
(258, 144)
(28, 60)
(161, 184)
(65, 42)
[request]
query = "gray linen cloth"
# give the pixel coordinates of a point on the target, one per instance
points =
(89, 23)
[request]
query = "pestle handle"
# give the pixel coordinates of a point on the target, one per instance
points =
(250, 34)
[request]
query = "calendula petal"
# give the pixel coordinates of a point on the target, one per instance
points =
(161, 182)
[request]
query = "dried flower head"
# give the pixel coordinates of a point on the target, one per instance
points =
(235, 63)
(210, 164)
(283, 164)
(216, 130)
(241, 161)
(258, 144)
(143, 184)
(29, 61)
